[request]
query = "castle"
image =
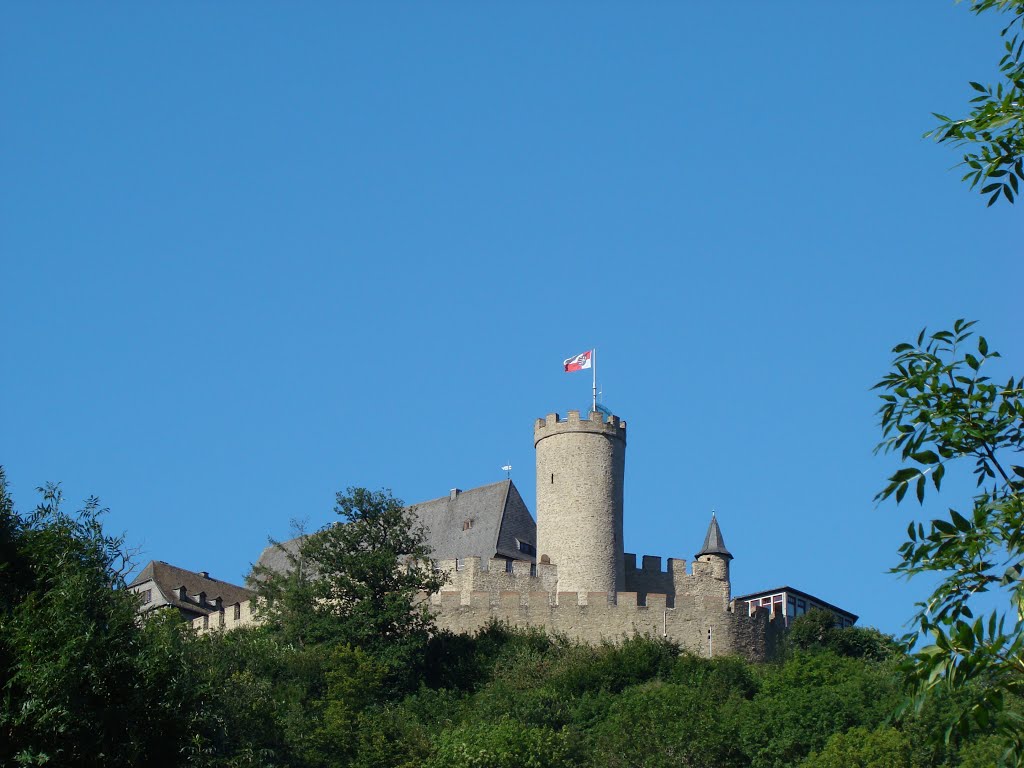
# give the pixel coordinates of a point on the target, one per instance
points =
(568, 573)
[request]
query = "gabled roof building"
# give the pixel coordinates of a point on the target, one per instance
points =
(193, 595)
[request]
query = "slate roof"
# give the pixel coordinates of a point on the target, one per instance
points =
(496, 512)
(714, 543)
(168, 578)
(444, 519)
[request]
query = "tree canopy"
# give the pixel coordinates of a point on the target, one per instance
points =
(81, 680)
(358, 580)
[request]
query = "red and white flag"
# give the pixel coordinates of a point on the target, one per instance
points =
(579, 363)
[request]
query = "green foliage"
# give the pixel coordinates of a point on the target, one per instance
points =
(813, 695)
(358, 582)
(355, 683)
(662, 724)
(996, 121)
(504, 744)
(86, 683)
(939, 408)
(259, 692)
(817, 630)
(82, 681)
(724, 675)
(859, 747)
(464, 662)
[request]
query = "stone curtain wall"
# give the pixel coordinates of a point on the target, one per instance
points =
(753, 637)
(683, 610)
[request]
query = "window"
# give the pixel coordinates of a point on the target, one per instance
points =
(459, 564)
(206, 622)
(533, 569)
(147, 596)
(527, 547)
(508, 566)
(467, 524)
(238, 611)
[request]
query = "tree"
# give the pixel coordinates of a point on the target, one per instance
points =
(817, 630)
(361, 580)
(938, 409)
(81, 681)
(996, 123)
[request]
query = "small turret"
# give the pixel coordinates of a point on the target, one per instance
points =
(715, 552)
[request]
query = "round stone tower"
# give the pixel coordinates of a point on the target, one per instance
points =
(580, 469)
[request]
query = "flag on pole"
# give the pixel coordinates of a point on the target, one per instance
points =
(578, 363)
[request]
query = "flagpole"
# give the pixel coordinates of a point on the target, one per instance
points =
(594, 354)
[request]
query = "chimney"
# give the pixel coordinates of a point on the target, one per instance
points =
(453, 493)
(205, 574)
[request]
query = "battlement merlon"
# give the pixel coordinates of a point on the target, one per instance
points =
(595, 422)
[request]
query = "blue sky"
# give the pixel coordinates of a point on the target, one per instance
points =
(253, 254)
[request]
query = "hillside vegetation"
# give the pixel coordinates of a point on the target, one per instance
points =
(85, 683)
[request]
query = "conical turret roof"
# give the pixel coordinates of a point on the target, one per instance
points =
(714, 543)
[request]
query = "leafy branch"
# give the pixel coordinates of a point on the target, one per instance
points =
(995, 124)
(938, 407)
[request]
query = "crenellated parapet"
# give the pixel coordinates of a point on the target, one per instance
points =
(498, 575)
(595, 422)
(677, 586)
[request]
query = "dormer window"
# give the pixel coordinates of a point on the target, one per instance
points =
(467, 524)
(182, 593)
